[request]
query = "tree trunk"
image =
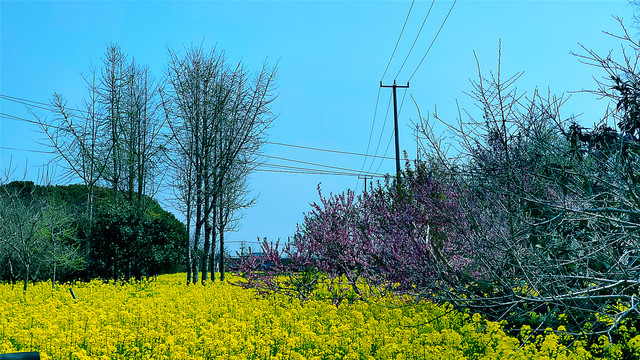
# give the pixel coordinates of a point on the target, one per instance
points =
(53, 278)
(12, 275)
(205, 253)
(188, 243)
(221, 231)
(26, 276)
(207, 224)
(196, 245)
(213, 238)
(87, 249)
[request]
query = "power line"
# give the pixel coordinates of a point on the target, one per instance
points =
(326, 150)
(36, 104)
(300, 172)
(12, 117)
(301, 169)
(319, 165)
(416, 39)
(287, 168)
(279, 168)
(384, 124)
(434, 39)
(386, 150)
(414, 72)
(373, 123)
(402, 102)
(23, 100)
(30, 102)
(26, 150)
(17, 118)
(26, 102)
(398, 42)
(364, 163)
(375, 112)
(260, 167)
(304, 172)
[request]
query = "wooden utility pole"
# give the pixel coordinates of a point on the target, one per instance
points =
(365, 177)
(395, 120)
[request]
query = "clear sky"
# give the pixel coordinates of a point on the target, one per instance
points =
(331, 58)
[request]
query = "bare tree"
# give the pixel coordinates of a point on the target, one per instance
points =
(551, 208)
(248, 116)
(183, 183)
(132, 125)
(141, 135)
(111, 97)
(187, 104)
(116, 137)
(232, 199)
(219, 115)
(21, 217)
(59, 237)
(77, 138)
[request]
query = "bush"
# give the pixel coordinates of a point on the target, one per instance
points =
(129, 242)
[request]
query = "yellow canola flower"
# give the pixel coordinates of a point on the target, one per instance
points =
(166, 319)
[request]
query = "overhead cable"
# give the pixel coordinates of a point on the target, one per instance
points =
(17, 118)
(261, 166)
(416, 39)
(27, 101)
(398, 42)
(384, 124)
(373, 123)
(319, 165)
(326, 150)
(36, 104)
(26, 150)
(434, 40)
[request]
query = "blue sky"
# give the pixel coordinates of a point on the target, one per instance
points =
(331, 56)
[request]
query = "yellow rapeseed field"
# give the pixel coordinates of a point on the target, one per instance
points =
(165, 319)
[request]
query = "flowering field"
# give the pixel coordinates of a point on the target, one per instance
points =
(164, 319)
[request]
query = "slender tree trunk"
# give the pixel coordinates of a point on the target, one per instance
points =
(198, 233)
(207, 225)
(207, 246)
(213, 254)
(12, 275)
(26, 276)
(142, 161)
(188, 243)
(213, 236)
(87, 242)
(53, 278)
(199, 169)
(222, 264)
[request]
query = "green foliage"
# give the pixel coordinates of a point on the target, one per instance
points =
(130, 242)
(120, 240)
